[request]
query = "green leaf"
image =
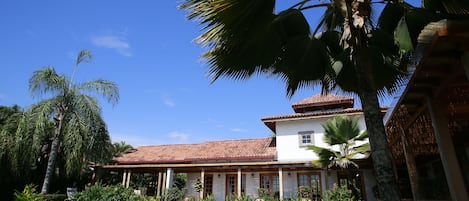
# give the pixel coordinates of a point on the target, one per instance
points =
(402, 36)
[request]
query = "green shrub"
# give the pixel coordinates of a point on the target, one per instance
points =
(101, 193)
(174, 194)
(339, 193)
(28, 194)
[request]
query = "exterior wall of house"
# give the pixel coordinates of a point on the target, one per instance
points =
(288, 140)
(290, 183)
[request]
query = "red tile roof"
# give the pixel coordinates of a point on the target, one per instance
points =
(261, 149)
(321, 102)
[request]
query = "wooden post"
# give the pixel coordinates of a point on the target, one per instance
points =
(280, 182)
(159, 186)
(124, 178)
(239, 182)
(128, 179)
(202, 180)
(411, 165)
(450, 163)
(465, 63)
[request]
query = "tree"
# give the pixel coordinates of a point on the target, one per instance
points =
(246, 38)
(79, 132)
(120, 148)
(344, 132)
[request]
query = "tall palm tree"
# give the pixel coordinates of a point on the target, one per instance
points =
(79, 131)
(246, 38)
(344, 132)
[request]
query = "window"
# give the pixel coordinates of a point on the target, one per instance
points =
(232, 184)
(306, 138)
(208, 185)
(270, 184)
(309, 185)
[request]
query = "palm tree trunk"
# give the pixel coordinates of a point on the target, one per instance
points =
(380, 152)
(52, 155)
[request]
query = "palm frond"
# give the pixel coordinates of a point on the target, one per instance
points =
(84, 56)
(46, 80)
(326, 156)
(103, 88)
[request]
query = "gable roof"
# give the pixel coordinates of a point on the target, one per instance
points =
(261, 149)
(322, 102)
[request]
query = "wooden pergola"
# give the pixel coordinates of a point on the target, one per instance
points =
(431, 118)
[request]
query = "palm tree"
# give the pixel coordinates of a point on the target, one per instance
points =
(79, 131)
(341, 131)
(120, 148)
(246, 38)
(344, 132)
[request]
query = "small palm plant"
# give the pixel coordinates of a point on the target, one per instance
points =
(344, 132)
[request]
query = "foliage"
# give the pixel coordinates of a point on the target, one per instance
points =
(198, 186)
(305, 192)
(29, 194)
(339, 193)
(179, 180)
(70, 122)
(235, 197)
(344, 132)
(101, 193)
(174, 194)
(120, 148)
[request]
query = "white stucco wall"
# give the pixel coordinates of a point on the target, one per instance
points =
(288, 147)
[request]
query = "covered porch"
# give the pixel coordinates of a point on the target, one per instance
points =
(428, 128)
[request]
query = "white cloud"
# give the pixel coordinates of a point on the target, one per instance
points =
(179, 135)
(238, 130)
(117, 43)
(169, 102)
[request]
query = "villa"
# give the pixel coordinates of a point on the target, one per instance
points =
(278, 165)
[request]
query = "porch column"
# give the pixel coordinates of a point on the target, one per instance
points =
(465, 63)
(169, 178)
(280, 182)
(163, 184)
(411, 166)
(128, 179)
(453, 174)
(202, 180)
(159, 186)
(239, 182)
(124, 178)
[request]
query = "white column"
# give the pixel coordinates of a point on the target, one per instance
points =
(202, 180)
(124, 178)
(128, 179)
(169, 178)
(450, 163)
(239, 182)
(280, 182)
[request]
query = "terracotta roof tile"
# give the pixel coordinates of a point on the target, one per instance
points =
(228, 150)
(319, 101)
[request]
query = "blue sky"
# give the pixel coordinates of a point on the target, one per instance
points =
(147, 48)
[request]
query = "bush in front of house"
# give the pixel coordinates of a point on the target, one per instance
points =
(99, 192)
(339, 193)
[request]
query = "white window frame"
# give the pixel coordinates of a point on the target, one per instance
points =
(301, 134)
